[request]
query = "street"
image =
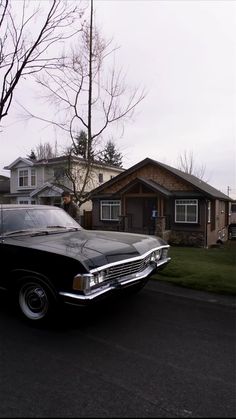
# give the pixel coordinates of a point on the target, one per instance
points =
(155, 354)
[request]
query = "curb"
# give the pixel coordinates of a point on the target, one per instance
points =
(184, 292)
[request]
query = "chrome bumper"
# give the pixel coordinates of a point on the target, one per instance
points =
(96, 294)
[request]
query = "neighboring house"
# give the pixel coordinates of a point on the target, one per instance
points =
(43, 181)
(232, 220)
(4, 189)
(154, 198)
(232, 213)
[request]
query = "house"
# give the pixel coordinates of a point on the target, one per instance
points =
(154, 198)
(232, 220)
(4, 189)
(43, 181)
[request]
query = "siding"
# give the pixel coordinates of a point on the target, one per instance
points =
(159, 175)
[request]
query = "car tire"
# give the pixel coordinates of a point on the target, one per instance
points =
(36, 300)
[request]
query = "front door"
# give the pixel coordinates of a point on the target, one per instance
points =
(149, 205)
(139, 211)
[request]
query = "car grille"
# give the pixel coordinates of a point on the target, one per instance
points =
(128, 268)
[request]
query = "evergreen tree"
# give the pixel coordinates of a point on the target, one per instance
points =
(81, 146)
(32, 155)
(111, 156)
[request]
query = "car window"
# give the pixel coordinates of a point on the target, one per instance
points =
(33, 218)
(12, 221)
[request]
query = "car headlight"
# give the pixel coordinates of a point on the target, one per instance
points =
(97, 278)
(156, 255)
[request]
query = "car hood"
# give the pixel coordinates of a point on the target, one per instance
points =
(93, 248)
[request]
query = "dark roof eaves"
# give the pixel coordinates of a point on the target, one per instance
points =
(204, 187)
(208, 190)
(121, 175)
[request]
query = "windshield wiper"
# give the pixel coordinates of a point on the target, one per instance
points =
(55, 226)
(54, 230)
(12, 233)
(40, 232)
(65, 227)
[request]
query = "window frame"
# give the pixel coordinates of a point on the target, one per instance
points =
(111, 203)
(186, 202)
(31, 174)
(209, 211)
(25, 201)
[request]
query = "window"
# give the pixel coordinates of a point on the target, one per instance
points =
(23, 178)
(59, 172)
(110, 210)
(100, 177)
(209, 211)
(26, 178)
(26, 201)
(233, 207)
(33, 177)
(186, 210)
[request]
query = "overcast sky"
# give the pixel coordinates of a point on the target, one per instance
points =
(184, 54)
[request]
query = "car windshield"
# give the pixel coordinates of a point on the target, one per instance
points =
(21, 220)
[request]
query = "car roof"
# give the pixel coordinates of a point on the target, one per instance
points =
(28, 206)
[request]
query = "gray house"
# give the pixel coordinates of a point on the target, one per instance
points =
(42, 181)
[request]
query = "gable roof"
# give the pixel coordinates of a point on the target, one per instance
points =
(191, 179)
(146, 182)
(62, 159)
(28, 162)
(48, 186)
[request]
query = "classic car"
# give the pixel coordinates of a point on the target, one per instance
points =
(48, 259)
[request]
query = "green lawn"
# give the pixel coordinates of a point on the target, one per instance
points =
(212, 269)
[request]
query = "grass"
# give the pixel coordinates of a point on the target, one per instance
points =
(212, 269)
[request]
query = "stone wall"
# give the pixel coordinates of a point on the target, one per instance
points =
(187, 238)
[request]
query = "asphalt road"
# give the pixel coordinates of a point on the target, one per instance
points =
(167, 352)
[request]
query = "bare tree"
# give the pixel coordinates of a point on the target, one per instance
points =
(89, 96)
(187, 164)
(44, 151)
(26, 36)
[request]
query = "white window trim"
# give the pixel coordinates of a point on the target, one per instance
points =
(209, 211)
(29, 186)
(185, 202)
(25, 200)
(109, 202)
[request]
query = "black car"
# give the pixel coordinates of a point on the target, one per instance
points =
(47, 259)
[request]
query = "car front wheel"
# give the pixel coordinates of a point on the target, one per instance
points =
(36, 300)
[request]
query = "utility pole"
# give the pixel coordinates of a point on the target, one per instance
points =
(228, 190)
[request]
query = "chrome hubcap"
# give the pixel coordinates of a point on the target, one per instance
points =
(33, 301)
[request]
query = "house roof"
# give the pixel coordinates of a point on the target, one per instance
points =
(28, 162)
(199, 184)
(147, 182)
(48, 189)
(58, 160)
